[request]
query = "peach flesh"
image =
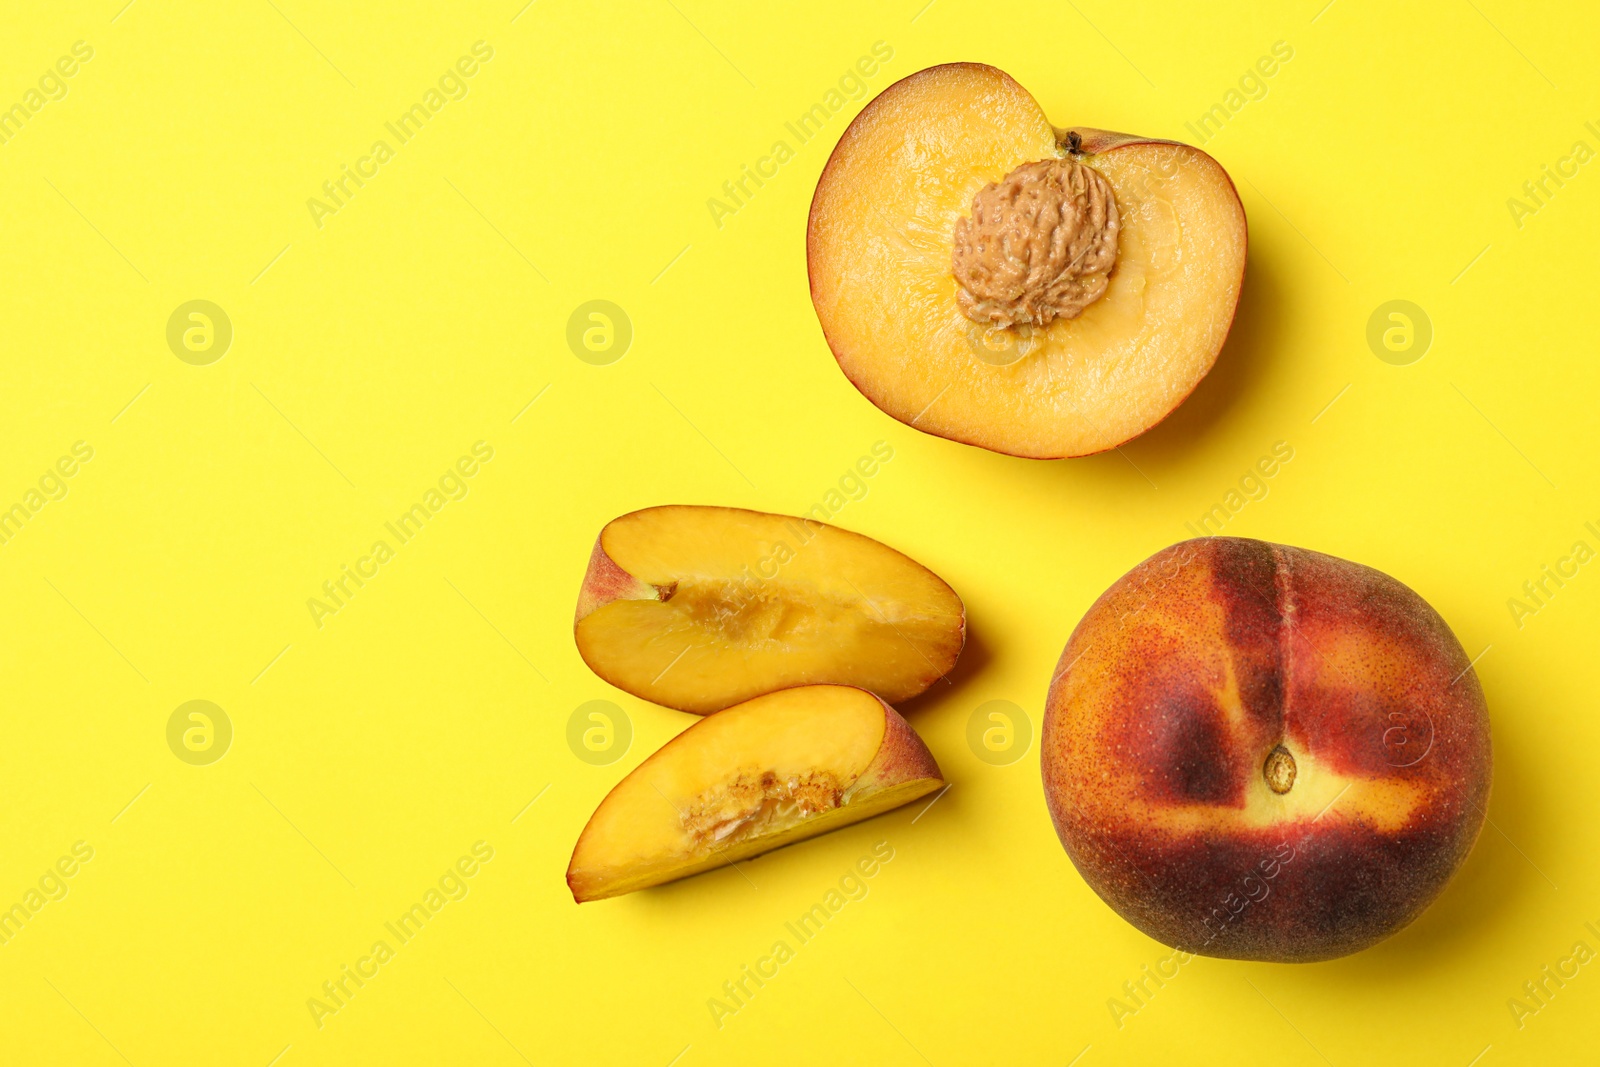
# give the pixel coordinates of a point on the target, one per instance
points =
(755, 777)
(698, 608)
(879, 244)
(1260, 752)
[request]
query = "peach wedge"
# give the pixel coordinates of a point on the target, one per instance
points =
(699, 608)
(987, 277)
(755, 777)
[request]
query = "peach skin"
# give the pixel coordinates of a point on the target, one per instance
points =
(1261, 752)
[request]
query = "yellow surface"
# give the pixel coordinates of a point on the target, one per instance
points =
(369, 754)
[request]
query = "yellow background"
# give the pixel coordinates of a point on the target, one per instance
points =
(368, 354)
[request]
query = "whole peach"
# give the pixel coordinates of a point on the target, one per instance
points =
(1261, 752)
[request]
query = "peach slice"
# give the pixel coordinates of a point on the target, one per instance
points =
(769, 772)
(1080, 320)
(698, 608)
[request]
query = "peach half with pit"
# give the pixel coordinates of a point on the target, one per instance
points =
(984, 276)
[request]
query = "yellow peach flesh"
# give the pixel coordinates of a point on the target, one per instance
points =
(880, 243)
(718, 605)
(826, 755)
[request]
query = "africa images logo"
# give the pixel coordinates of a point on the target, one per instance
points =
(338, 191)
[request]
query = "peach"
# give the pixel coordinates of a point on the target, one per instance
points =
(1261, 752)
(698, 608)
(984, 276)
(749, 779)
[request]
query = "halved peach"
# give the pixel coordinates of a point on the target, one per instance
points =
(1098, 272)
(698, 608)
(769, 772)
